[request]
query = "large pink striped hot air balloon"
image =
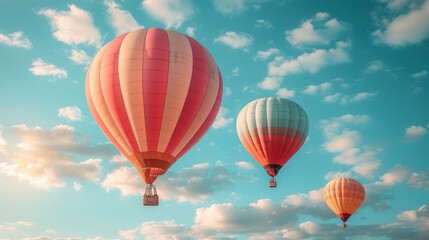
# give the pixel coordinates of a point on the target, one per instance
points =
(272, 130)
(154, 93)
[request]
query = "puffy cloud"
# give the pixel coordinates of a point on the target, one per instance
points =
(221, 120)
(72, 113)
(264, 55)
(367, 169)
(79, 57)
(313, 89)
(163, 230)
(307, 62)
(344, 141)
(13, 226)
(194, 184)
(15, 39)
(263, 23)
(122, 21)
(244, 165)
(45, 157)
(285, 93)
(77, 186)
(310, 227)
(74, 26)
(420, 74)
(398, 32)
(229, 7)
(235, 40)
(41, 68)
(129, 234)
(171, 12)
(414, 133)
(307, 34)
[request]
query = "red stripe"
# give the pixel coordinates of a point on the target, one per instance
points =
(207, 123)
(155, 77)
(196, 93)
(97, 117)
(112, 91)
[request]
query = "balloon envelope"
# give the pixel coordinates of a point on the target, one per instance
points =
(344, 196)
(154, 93)
(272, 130)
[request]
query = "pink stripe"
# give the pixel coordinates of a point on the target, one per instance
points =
(196, 93)
(112, 91)
(207, 123)
(155, 77)
(97, 117)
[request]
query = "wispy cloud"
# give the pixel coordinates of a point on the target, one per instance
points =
(229, 7)
(397, 31)
(79, 57)
(44, 158)
(191, 31)
(263, 23)
(420, 74)
(74, 26)
(72, 113)
(235, 40)
(375, 66)
(314, 89)
(264, 55)
(171, 12)
(347, 98)
(121, 20)
(41, 68)
(15, 39)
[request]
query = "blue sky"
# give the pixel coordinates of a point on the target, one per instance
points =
(359, 69)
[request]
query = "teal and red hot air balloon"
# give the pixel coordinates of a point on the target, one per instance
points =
(272, 130)
(154, 93)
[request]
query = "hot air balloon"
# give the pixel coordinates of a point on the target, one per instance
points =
(154, 93)
(344, 196)
(272, 130)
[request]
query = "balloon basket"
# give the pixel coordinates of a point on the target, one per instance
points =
(150, 197)
(272, 183)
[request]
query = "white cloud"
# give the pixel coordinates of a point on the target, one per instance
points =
(409, 216)
(285, 93)
(244, 165)
(419, 180)
(79, 57)
(129, 234)
(307, 34)
(13, 226)
(191, 31)
(72, 113)
(310, 227)
(221, 120)
(363, 96)
(41, 68)
(235, 40)
(171, 12)
(3, 144)
(344, 141)
(263, 23)
(229, 7)
(77, 186)
(122, 21)
(414, 133)
(347, 99)
(367, 169)
(394, 176)
(398, 32)
(163, 230)
(375, 66)
(420, 74)
(15, 39)
(235, 72)
(45, 157)
(313, 89)
(307, 62)
(227, 92)
(196, 184)
(74, 26)
(264, 55)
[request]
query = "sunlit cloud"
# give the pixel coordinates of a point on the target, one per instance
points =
(79, 57)
(414, 132)
(74, 26)
(72, 113)
(285, 93)
(244, 165)
(221, 120)
(397, 31)
(173, 13)
(235, 40)
(15, 39)
(42, 68)
(121, 20)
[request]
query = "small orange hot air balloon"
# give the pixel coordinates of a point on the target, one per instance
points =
(154, 93)
(344, 196)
